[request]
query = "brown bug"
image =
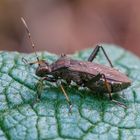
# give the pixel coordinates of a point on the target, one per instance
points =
(97, 77)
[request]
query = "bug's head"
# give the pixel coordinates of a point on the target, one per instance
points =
(43, 69)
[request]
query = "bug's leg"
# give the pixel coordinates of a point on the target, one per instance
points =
(40, 85)
(94, 79)
(109, 92)
(36, 62)
(32, 63)
(50, 79)
(95, 52)
(67, 98)
(62, 88)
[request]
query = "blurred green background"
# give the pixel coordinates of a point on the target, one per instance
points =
(66, 26)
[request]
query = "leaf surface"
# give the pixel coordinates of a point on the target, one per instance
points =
(93, 116)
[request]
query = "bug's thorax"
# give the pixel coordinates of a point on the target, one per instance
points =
(61, 63)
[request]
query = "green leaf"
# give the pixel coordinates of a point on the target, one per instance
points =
(93, 116)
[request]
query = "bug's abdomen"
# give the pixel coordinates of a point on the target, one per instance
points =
(100, 86)
(119, 86)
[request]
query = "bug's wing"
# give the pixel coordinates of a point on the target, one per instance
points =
(61, 63)
(94, 69)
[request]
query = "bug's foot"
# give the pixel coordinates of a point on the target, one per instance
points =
(70, 108)
(24, 61)
(119, 103)
(122, 97)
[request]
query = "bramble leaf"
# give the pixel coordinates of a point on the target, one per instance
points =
(93, 116)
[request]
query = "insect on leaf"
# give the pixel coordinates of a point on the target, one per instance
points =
(93, 116)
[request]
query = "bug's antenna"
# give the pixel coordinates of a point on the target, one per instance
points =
(30, 38)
